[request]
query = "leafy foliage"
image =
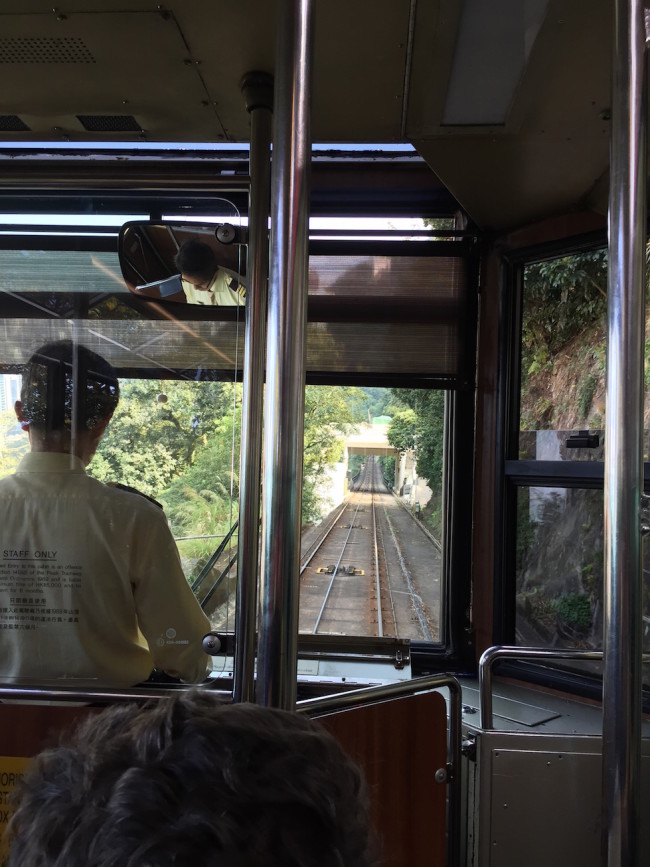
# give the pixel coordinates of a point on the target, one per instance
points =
(575, 609)
(15, 443)
(562, 297)
(331, 413)
(158, 430)
(175, 441)
(420, 426)
(376, 400)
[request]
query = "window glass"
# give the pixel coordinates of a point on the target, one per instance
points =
(373, 513)
(373, 456)
(559, 570)
(559, 536)
(178, 442)
(559, 567)
(563, 358)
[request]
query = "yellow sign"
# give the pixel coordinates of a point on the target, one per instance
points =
(11, 772)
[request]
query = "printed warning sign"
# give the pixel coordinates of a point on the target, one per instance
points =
(11, 772)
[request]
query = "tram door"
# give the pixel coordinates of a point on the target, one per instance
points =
(400, 745)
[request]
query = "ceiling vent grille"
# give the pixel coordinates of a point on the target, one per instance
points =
(36, 49)
(12, 123)
(109, 123)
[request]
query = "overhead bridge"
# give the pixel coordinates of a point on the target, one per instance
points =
(371, 440)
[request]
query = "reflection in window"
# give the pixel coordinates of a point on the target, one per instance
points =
(559, 569)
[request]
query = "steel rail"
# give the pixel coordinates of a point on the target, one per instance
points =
(371, 695)
(336, 569)
(319, 542)
(380, 623)
(415, 597)
(388, 582)
(539, 654)
(500, 652)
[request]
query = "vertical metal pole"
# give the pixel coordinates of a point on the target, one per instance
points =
(624, 443)
(284, 401)
(257, 89)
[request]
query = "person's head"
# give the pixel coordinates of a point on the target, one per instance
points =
(197, 263)
(68, 394)
(192, 781)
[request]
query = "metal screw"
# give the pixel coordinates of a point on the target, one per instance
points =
(441, 775)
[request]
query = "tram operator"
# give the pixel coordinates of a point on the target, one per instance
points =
(204, 280)
(92, 591)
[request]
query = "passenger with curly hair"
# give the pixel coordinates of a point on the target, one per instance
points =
(196, 782)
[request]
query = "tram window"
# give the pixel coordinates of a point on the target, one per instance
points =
(563, 356)
(175, 434)
(178, 442)
(559, 567)
(559, 570)
(371, 559)
(558, 548)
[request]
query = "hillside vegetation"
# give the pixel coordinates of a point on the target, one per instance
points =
(559, 554)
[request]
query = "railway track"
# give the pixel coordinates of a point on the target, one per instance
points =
(356, 577)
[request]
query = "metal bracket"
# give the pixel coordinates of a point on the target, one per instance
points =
(646, 15)
(644, 514)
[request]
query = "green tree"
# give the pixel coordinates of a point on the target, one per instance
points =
(377, 401)
(403, 430)
(418, 424)
(15, 442)
(159, 429)
(562, 297)
(331, 413)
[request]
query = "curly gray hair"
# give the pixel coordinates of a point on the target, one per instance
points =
(192, 780)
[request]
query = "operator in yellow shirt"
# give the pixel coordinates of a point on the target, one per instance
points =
(204, 280)
(92, 592)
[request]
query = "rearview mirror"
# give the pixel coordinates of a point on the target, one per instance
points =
(193, 263)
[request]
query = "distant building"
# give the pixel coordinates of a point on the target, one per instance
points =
(9, 390)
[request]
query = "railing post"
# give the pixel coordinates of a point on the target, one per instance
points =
(277, 657)
(624, 442)
(257, 89)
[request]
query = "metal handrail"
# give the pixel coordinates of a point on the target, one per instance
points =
(370, 695)
(499, 652)
(213, 559)
(96, 694)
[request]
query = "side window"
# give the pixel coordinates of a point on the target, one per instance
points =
(558, 558)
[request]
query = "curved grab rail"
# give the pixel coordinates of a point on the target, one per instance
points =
(370, 695)
(499, 652)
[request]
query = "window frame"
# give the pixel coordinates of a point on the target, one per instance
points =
(514, 473)
(456, 649)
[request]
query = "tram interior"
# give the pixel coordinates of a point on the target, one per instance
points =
(455, 373)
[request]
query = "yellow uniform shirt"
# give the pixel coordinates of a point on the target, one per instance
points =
(92, 591)
(225, 290)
